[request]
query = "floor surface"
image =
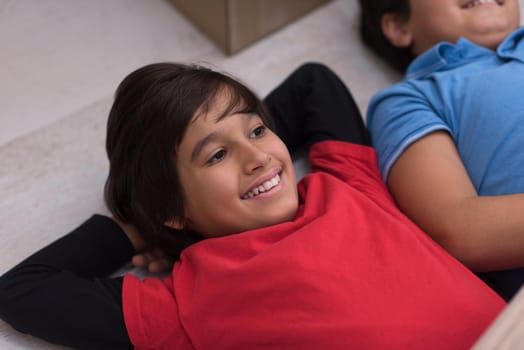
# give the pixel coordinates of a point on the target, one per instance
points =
(60, 62)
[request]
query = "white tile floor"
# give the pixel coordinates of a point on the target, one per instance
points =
(61, 60)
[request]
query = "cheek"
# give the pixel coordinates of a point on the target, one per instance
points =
(285, 156)
(197, 194)
(277, 147)
(194, 188)
(207, 199)
(211, 184)
(514, 15)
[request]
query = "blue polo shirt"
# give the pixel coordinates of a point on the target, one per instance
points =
(477, 96)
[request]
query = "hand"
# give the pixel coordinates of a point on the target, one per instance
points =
(155, 261)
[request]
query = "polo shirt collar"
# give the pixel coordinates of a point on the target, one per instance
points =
(444, 55)
(513, 46)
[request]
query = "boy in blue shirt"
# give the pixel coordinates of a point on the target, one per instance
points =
(449, 136)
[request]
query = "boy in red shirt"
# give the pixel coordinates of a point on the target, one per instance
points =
(197, 169)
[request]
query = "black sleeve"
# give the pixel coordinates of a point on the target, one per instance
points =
(314, 105)
(61, 293)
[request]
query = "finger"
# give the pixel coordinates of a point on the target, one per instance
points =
(163, 265)
(140, 260)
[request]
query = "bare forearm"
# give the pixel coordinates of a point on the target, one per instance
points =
(485, 233)
(430, 184)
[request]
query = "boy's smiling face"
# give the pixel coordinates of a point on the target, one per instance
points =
(485, 22)
(236, 173)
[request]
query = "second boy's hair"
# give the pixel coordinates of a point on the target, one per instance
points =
(152, 109)
(371, 13)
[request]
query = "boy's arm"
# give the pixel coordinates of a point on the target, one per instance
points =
(430, 184)
(57, 294)
(313, 105)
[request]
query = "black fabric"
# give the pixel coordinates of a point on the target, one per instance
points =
(314, 105)
(57, 293)
(61, 293)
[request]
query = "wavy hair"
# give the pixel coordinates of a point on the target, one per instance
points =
(152, 109)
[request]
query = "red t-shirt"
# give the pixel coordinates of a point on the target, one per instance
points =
(350, 272)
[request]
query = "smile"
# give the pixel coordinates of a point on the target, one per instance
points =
(264, 187)
(474, 3)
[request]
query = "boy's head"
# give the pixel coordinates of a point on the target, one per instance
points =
(400, 30)
(190, 149)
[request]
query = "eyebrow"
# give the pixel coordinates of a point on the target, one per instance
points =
(201, 144)
(214, 136)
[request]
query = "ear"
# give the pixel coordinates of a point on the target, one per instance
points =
(176, 223)
(396, 30)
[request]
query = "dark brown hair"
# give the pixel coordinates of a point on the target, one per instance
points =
(152, 109)
(371, 13)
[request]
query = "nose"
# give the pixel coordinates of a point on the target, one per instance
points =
(254, 158)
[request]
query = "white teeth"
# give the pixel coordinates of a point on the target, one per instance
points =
(480, 2)
(266, 186)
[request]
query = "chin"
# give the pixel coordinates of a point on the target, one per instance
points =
(493, 41)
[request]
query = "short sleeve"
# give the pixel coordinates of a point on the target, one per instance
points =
(401, 115)
(355, 165)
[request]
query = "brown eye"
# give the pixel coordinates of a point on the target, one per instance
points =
(216, 157)
(258, 132)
